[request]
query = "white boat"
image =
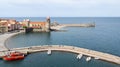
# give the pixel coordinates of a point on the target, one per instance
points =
(49, 52)
(79, 56)
(88, 58)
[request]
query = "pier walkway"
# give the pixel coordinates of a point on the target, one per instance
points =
(65, 48)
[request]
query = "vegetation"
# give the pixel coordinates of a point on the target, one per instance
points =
(24, 27)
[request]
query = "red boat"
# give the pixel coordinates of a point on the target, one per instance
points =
(13, 56)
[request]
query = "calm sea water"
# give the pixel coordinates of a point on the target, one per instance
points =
(104, 37)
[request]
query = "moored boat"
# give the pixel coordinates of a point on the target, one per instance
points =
(13, 56)
(16, 54)
(79, 56)
(88, 58)
(49, 52)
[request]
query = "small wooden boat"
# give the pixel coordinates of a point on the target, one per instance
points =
(13, 56)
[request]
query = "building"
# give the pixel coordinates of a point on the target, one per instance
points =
(25, 22)
(3, 28)
(7, 25)
(37, 26)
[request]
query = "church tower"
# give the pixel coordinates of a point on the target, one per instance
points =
(48, 24)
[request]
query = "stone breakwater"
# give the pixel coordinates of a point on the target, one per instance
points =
(73, 49)
(58, 27)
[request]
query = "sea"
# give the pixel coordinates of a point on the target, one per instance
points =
(104, 37)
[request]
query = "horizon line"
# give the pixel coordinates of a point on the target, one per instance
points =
(57, 16)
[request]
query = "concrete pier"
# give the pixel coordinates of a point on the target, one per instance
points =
(65, 48)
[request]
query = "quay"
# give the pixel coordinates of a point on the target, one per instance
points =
(65, 48)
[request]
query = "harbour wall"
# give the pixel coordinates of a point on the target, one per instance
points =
(73, 49)
(80, 25)
(58, 27)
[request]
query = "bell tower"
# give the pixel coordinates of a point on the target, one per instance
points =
(48, 24)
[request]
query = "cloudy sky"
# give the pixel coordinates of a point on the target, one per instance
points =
(60, 8)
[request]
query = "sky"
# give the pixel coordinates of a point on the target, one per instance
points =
(60, 8)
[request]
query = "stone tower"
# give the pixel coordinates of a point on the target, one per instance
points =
(48, 24)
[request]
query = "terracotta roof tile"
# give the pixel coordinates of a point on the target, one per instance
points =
(37, 22)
